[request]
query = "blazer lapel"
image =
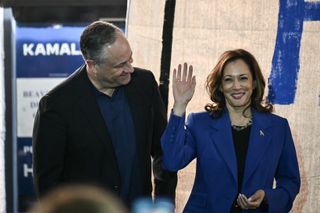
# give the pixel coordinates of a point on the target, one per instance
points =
(138, 112)
(222, 139)
(258, 143)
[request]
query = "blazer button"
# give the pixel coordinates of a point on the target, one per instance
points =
(116, 188)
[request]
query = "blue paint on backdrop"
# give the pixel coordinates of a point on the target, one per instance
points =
(285, 63)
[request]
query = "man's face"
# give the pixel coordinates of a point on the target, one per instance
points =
(117, 68)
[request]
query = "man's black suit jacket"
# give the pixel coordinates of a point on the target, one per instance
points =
(71, 143)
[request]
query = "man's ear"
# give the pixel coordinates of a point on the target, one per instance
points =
(90, 66)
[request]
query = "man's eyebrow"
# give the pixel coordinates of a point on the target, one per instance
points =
(122, 63)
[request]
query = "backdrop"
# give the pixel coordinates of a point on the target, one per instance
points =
(284, 37)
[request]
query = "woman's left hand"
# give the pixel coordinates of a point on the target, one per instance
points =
(252, 202)
(183, 87)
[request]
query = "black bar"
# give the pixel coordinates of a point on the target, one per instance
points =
(32, 3)
(66, 14)
(166, 49)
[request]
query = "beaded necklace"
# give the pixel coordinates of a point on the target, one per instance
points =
(239, 128)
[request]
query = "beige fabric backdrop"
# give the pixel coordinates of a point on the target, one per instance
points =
(203, 29)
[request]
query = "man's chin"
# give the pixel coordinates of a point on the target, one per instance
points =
(126, 81)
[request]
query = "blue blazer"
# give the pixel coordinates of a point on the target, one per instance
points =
(271, 156)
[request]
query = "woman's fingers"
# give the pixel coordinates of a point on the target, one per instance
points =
(179, 73)
(250, 203)
(183, 74)
(190, 73)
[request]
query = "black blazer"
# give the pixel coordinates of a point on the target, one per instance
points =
(71, 143)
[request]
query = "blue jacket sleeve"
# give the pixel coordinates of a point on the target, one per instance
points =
(177, 143)
(287, 177)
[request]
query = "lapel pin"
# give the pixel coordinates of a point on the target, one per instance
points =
(261, 133)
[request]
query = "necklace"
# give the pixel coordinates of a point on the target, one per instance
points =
(239, 128)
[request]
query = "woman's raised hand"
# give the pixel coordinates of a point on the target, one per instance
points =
(183, 86)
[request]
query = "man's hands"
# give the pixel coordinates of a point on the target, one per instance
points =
(252, 202)
(183, 87)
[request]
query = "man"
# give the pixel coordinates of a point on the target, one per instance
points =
(103, 124)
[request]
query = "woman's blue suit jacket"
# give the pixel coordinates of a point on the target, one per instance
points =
(271, 156)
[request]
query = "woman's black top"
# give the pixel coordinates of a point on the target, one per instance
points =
(241, 138)
(240, 142)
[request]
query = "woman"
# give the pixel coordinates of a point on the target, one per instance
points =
(240, 146)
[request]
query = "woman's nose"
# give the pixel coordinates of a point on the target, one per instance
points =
(236, 84)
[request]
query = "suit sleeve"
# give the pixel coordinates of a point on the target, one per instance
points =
(178, 143)
(48, 142)
(287, 177)
(165, 181)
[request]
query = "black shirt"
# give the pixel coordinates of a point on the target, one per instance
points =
(240, 142)
(117, 116)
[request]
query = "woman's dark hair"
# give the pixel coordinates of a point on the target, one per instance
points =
(214, 81)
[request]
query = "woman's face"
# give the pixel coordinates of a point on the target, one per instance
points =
(237, 85)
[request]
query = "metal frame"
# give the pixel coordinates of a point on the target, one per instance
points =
(10, 119)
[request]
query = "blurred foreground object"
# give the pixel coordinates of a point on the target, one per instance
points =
(79, 199)
(146, 205)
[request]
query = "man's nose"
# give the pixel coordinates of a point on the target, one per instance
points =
(129, 67)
